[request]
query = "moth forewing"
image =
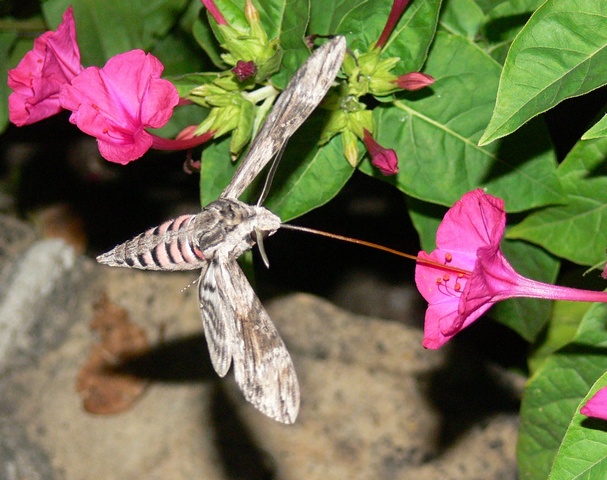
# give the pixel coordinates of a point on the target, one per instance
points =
(302, 95)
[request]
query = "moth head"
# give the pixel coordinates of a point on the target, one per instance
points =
(265, 221)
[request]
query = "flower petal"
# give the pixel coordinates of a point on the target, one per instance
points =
(117, 103)
(596, 407)
(37, 80)
(476, 220)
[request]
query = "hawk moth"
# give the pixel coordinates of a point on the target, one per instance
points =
(236, 326)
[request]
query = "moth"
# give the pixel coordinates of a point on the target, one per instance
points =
(237, 328)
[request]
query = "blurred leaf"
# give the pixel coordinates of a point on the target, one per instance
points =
(176, 55)
(7, 40)
(105, 29)
(203, 34)
(559, 54)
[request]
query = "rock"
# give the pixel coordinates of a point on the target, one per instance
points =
(367, 409)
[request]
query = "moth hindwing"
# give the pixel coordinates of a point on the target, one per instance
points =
(237, 327)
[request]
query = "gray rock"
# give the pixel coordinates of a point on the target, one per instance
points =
(366, 412)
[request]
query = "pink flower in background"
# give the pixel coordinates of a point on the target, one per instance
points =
(468, 273)
(118, 102)
(37, 80)
(596, 407)
(414, 81)
(383, 158)
(214, 11)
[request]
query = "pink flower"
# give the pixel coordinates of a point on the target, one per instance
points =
(398, 7)
(596, 407)
(414, 81)
(468, 273)
(118, 102)
(37, 80)
(383, 158)
(214, 11)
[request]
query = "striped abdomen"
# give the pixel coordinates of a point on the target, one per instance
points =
(170, 246)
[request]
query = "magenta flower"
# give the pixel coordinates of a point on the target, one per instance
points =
(37, 80)
(414, 81)
(214, 11)
(383, 158)
(398, 7)
(596, 407)
(468, 273)
(118, 102)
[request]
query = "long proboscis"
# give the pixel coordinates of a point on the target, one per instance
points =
(373, 245)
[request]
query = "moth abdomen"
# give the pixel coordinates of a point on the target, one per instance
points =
(169, 246)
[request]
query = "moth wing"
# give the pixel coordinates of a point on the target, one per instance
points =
(262, 365)
(215, 312)
(301, 96)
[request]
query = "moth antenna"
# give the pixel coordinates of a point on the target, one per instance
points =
(262, 250)
(269, 177)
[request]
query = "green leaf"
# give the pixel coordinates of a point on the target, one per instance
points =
(185, 83)
(527, 316)
(176, 55)
(564, 323)
(503, 22)
(292, 33)
(598, 130)
(560, 53)
(309, 176)
(326, 16)
(216, 171)
(583, 452)
(435, 132)
(577, 229)
(410, 39)
(203, 34)
(105, 29)
(426, 218)
(464, 18)
(553, 394)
